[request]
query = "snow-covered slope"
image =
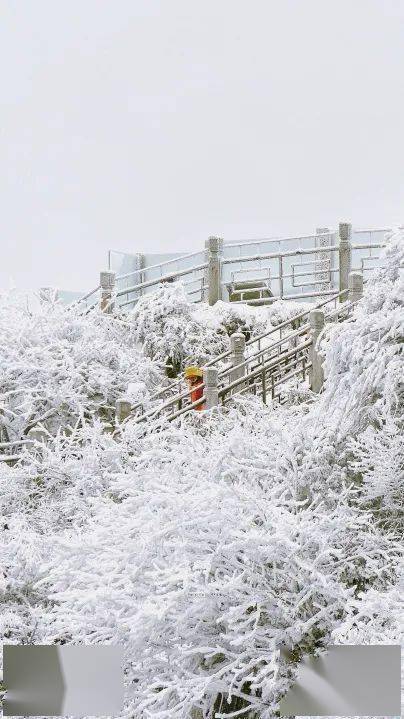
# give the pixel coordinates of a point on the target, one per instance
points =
(205, 547)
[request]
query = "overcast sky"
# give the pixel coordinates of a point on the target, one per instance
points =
(149, 125)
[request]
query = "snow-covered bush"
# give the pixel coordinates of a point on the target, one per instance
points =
(60, 367)
(358, 422)
(176, 332)
(204, 547)
(164, 324)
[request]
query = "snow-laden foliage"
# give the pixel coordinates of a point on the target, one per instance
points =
(206, 546)
(358, 423)
(60, 367)
(175, 332)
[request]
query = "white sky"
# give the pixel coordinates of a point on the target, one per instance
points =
(150, 125)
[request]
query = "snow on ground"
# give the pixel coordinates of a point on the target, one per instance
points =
(206, 546)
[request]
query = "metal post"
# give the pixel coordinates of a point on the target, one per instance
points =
(316, 373)
(107, 282)
(123, 409)
(280, 260)
(345, 234)
(263, 382)
(210, 379)
(214, 246)
(355, 286)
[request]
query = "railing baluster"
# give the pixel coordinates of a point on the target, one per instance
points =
(264, 386)
(281, 277)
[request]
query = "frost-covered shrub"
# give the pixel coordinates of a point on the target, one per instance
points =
(197, 553)
(177, 332)
(283, 310)
(227, 318)
(377, 456)
(164, 324)
(203, 547)
(357, 426)
(60, 367)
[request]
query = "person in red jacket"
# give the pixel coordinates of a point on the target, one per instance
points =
(194, 377)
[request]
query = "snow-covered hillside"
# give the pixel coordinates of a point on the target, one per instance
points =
(205, 547)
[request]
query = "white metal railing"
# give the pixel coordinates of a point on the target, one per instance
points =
(166, 278)
(298, 267)
(174, 399)
(265, 372)
(159, 265)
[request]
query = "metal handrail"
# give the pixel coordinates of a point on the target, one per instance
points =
(274, 298)
(261, 352)
(258, 338)
(150, 283)
(160, 264)
(373, 229)
(243, 259)
(276, 255)
(265, 366)
(261, 240)
(366, 246)
(275, 361)
(185, 395)
(300, 316)
(85, 297)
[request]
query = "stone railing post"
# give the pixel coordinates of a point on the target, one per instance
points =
(355, 286)
(237, 345)
(322, 274)
(214, 247)
(139, 277)
(123, 409)
(107, 282)
(345, 234)
(316, 373)
(211, 392)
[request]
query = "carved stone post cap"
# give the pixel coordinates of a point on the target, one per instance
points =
(237, 342)
(210, 376)
(107, 280)
(317, 319)
(355, 280)
(345, 232)
(214, 244)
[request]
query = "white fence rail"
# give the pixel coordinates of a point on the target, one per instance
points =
(254, 271)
